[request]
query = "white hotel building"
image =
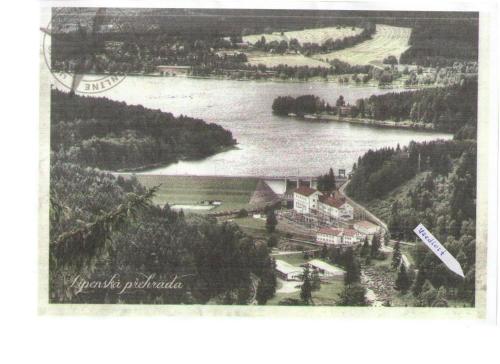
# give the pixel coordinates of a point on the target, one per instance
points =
(310, 201)
(338, 236)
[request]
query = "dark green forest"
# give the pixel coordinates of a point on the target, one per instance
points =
(447, 108)
(111, 135)
(440, 42)
(444, 201)
(101, 226)
(450, 109)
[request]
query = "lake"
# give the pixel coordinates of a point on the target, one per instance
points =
(268, 145)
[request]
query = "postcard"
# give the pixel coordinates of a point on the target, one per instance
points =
(262, 162)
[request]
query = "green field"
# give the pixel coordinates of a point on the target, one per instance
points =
(234, 192)
(326, 296)
(273, 60)
(316, 35)
(386, 41)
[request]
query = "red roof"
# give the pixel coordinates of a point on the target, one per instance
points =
(305, 191)
(332, 201)
(330, 231)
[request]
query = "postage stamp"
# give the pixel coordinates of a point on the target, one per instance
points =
(262, 162)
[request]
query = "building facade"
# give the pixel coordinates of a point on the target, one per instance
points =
(335, 208)
(338, 236)
(305, 200)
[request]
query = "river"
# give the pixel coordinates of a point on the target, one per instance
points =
(268, 145)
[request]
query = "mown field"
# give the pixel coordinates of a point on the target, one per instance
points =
(386, 41)
(273, 60)
(317, 35)
(234, 192)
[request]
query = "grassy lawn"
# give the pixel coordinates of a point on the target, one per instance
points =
(253, 227)
(293, 259)
(234, 192)
(327, 295)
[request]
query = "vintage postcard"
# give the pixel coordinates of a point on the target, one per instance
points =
(263, 162)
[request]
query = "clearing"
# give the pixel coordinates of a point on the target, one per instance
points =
(273, 60)
(315, 35)
(386, 41)
(234, 192)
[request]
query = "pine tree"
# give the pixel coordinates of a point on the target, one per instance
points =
(266, 288)
(396, 256)
(272, 241)
(428, 295)
(354, 295)
(375, 245)
(324, 251)
(402, 282)
(316, 281)
(306, 288)
(353, 271)
(271, 222)
(419, 282)
(365, 249)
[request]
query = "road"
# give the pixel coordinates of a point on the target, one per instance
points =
(363, 209)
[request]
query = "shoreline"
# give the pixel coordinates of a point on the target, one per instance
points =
(153, 166)
(405, 124)
(395, 86)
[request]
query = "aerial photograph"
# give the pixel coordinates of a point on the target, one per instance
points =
(262, 157)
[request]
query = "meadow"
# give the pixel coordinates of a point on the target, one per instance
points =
(316, 35)
(273, 60)
(387, 41)
(233, 192)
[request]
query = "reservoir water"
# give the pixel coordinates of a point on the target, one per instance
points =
(268, 145)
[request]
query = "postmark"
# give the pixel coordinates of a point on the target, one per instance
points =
(82, 32)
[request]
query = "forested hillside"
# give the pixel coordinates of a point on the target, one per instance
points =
(440, 42)
(445, 202)
(101, 226)
(99, 132)
(448, 108)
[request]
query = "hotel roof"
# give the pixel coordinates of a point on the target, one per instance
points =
(305, 191)
(332, 201)
(337, 231)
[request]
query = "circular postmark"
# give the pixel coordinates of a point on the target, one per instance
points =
(79, 46)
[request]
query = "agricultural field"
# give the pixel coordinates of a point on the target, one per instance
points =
(233, 192)
(386, 41)
(273, 60)
(316, 35)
